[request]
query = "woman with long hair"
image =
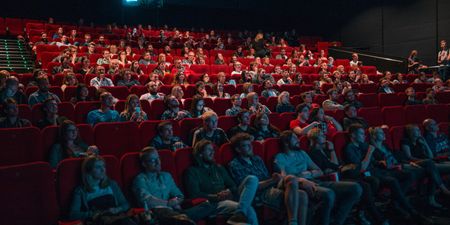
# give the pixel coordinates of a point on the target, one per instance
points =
(133, 111)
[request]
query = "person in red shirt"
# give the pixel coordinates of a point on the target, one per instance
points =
(300, 125)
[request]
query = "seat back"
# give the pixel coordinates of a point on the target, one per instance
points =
(20, 145)
(117, 138)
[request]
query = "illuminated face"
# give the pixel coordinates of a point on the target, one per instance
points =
(211, 123)
(99, 170)
(71, 133)
(245, 148)
(208, 154)
(151, 162)
(166, 132)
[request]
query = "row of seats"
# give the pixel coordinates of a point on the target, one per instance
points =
(30, 144)
(22, 182)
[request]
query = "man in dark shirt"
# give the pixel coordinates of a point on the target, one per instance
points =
(165, 138)
(351, 117)
(270, 191)
(51, 118)
(12, 119)
(207, 179)
(210, 131)
(243, 126)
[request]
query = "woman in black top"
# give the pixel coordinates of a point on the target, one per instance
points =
(263, 127)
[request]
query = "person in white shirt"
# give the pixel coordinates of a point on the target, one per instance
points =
(100, 80)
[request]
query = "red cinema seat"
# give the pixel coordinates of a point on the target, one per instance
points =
(215, 69)
(86, 133)
(368, 88)
(438, 112)
(187, 127)
(148, 130)
(183, 160)
(396, 134)
(220, 105)
(29, 195)
(421, 87)
(444, 127)
(64, 109)
(393, 115)
(227, 122)
(83, 108)
(286, 118)
(389, 100)
(208, 102)
(117, 138)
(372, 115)
(230, 89)
(271, 103)
(200, 69)
(319, 99)
(120, 92)
(443, 97)
(25, 112)
(138, 90)
(415, 113)
(68, 177)
(339, 141)
(71, 92)
(271, 148)
(368, 99)
(400, 87)
(157, 108)
(293, 89)
(20, 145)
(336, 114)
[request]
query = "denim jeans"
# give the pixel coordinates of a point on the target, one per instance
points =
(347, 194)
(247, 190)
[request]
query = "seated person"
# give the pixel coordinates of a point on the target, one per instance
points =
(69, 144)
(385, 87)
(146, 59)
(284, 104)
(236, 108)
(200, 89)
(269, 91)
(327, 124)
(219, 92)
(165, 138)
(285, 79)
(42, 93)
(207, 179)
(82, 94)
(274, 190)
(178, 92)
(173, 111)
(438, 142)
(12, 119)
(69, 80)
(331, 103)
(156, 190)
(246, 89)
(351, 117)
(254, 106)
(291, 160)
(350, 99)
(210, 131)
(307, 98)
(430, 97)
(411, 97)
(244, 125)
(153, 93)
(105, 59)
(300, 125)
(198, 106)
(323, 154)
(105, 113)
(101, 80)
(126, 79)
(51, 118)
(11, 90)
(360, 153)
(97, 196)
(263, 127)
(133, 111)
(422, 169)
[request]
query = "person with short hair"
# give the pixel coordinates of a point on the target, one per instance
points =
(411, 97)
(42, 93)
(165, 139)
(274, 190)
(106, 58)
(207, 179)
(12, 119)
(437, 141)
(156, 190)
(284, 104)
(11, 90)
(101, 80)
(210, 131)
(243, 126)
(269, 91)
(351, 117)
(153, 93)
(291, 160)
(51, 118)
(300, 125)
(236, 108)
(105, 113)
(254, 106)
(350, 99)
(331, 103)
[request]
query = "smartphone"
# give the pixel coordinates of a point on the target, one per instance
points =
(137, 109)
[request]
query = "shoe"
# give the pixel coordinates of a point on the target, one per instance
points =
(238, 219)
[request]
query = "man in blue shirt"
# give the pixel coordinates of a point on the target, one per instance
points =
(105, 113)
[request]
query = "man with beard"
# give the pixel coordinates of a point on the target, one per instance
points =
(207, 179)
(293, 161)
(274, 191)
(165, 138)
(153, 93)
(42, 93)
(105, 113)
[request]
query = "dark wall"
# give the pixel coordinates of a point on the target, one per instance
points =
(396, 27)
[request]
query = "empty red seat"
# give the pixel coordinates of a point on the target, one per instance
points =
(200, 69)
(368, 88)
(117, 138)
(220, 105)
(29, 195)
(319, 99)
(421, 87)
(444, 127)
(25, 112)
(138, 90)
(183, 160)
(120, 92)
(227, 122)
(443, 97)
(20, 145)
(285, 119)
(439, 112)
(187, 126)
(389, 100)
(368, 99)
(68, 177)
(293, 89)
(393, 115)
(271, 148)
(415, 113)
(215, 69)
(400, 87)
(83, 108)
(372, 115)
(340, 141)
(396, 134)
(157, 108)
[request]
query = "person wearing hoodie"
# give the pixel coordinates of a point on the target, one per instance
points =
(207, 179)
